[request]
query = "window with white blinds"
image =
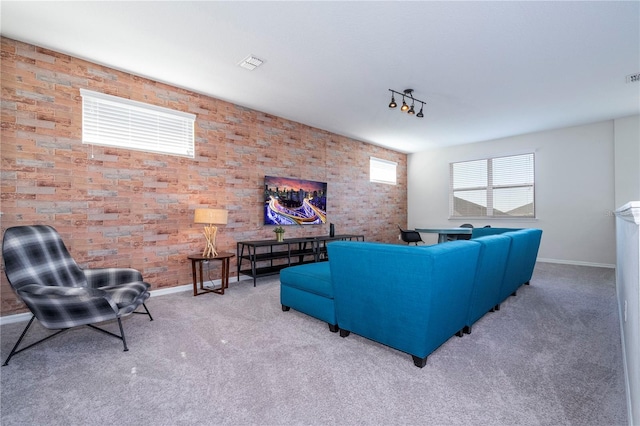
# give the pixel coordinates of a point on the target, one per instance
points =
(113, 121)
(493, 187)
(382, 171)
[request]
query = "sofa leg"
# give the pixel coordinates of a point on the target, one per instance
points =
(419, 362)
(467, 329)
(527, 283)
(344, 333)
(497, 307)
(285, 308)
(333, 328)
(514, 293)
(460, 332)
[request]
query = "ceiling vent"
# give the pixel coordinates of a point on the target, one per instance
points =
(633, 78)
(251, 63)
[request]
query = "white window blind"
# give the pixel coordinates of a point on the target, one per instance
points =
(382, 171)
(493, 187)
(113, 121)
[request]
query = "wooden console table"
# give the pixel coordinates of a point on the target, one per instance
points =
(196, 265)
(275, 255)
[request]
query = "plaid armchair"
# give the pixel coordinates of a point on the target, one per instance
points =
(58, 292)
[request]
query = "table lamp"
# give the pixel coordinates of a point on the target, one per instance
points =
(210, 217)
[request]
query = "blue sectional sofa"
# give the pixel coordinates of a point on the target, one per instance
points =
(412, 298)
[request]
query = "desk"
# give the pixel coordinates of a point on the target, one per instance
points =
(443, 232)
(198, 260)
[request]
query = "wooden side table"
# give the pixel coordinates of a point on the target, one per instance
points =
(196, 265)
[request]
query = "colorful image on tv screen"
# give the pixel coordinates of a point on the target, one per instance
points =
(290, 201)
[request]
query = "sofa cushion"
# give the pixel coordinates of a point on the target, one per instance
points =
(492, 262)
(521, 260)
(313, 277)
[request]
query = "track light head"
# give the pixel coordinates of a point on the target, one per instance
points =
(411, 110)
(393, 103)
(404, 106)
(420, 114)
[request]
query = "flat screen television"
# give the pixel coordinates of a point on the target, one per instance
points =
(289, 201)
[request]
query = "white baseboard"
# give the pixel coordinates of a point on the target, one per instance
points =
(189, 287)
(10, 319)
(577, 263)
(171, 290)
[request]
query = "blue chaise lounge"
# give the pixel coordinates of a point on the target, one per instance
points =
(308, 288)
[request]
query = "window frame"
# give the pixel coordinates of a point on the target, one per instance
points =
(380, 165)
(117, 122)
(490, 188)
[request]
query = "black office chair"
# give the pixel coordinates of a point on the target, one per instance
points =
(410, 236)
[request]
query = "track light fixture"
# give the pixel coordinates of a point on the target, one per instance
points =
(407, 93)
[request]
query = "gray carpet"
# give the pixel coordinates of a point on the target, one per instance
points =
(550, 356)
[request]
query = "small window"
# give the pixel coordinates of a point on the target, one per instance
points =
(493, 187)
(123, 123)
(382, 171)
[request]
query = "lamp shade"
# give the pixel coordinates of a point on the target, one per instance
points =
(210, 216)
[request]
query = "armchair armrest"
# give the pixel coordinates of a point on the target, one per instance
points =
(54, 290)
(103, 277)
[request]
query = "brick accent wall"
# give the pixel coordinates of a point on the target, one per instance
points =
(117, 207)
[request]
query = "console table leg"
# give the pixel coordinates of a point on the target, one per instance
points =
(195, 278)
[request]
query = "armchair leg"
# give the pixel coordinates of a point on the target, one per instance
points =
(15, 348)
(148, 313)
(124, 341)
(145, 313)
(121, 336)
(13, 351)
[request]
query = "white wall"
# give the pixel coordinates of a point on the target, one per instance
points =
(574, 190)
(582, 174)
(627, 159)
(628, 289)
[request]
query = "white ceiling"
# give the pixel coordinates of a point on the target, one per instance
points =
(486, 69)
